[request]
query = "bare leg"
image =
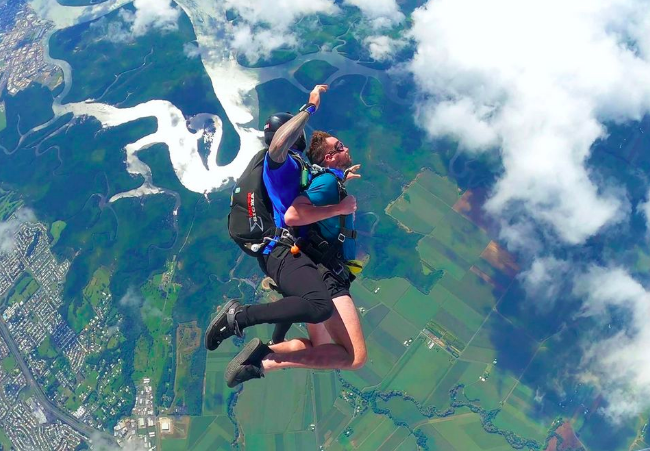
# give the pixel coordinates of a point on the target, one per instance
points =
(318, 335)
(347, 352)
(296, 344)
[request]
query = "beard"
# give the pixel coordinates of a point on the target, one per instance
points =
(345, 163)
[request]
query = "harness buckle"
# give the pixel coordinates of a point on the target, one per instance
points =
(338, 270)
(341, 238)
(286, 234)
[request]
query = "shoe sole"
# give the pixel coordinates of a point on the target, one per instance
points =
(223, 312)
(239, 360)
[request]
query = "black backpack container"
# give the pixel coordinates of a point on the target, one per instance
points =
(251, 211)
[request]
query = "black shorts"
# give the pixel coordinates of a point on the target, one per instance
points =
(335, 286)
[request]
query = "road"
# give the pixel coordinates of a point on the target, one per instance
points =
(83, 429)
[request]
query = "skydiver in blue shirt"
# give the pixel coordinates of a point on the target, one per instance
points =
(338, 341)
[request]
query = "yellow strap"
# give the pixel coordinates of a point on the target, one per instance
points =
(355, 266)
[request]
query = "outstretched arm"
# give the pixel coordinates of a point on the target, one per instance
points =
(286, 136)
(303, 212)
(291, 131)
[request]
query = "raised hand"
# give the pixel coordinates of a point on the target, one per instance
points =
(351, 172)
(314, 95)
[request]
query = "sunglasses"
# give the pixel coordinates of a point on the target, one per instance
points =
(338, 148)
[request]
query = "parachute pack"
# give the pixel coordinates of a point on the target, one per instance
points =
(250, 220)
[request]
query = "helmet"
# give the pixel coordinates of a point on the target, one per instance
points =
(274, 122)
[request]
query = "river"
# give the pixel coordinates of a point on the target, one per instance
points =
(233, 84)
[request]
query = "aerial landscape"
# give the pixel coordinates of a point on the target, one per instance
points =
(503, 219)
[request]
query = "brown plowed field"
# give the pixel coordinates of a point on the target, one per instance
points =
(500, 259)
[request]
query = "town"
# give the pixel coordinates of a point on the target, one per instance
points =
(22, 56)
(52, 392)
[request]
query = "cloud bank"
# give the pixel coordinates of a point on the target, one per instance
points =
(538, 83)
(382, 47)
(266, 26)
(537, 80)
(9, 228)
(133, 299)
(380, 13)
(148, 15)
(620, 364)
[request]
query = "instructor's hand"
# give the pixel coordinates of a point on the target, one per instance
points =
(314, 95)
(351, 172)
(348, 205)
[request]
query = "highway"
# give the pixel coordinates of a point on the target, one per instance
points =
(82, 428)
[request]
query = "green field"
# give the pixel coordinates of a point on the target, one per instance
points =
(98, 287)
(419, 371)
(419, 308)
(363, 428)
(439, 398)
(288, 394)
(474, 291)
(442, 257)
(23, 289)
(313, 73)
(9, 203)
(417, 209)
(206, 433)
(3, 117)
(55, 230)
(9, 364)
(154, 349)
(387, 291)
(439, 186)
(511, 418)
(374, 437)
(46, 349)
(458, 233)
(79, 314)
(4, 440)
(463, 432)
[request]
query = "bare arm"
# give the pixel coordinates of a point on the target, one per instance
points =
(303, 212)
(291, 131)
(286, 136)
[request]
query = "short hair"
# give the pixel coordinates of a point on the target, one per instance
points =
(318, 147)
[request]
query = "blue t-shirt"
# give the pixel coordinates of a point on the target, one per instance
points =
(283, 185)
(324, 190)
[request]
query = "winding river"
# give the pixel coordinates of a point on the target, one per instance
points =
(234, 86)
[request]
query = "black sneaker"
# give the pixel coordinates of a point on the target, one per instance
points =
(247, 364)
(223, 325)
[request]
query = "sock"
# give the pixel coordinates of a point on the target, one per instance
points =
(241, 317)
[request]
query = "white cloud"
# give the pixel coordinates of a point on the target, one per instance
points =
(644, 208)
(545, 280)
(380, 13)
(536, 80)
(191, 50)
(131, 299)
(266, 26)
(9, 228)
(382, 48)
(148, 15)
(620, 364)
(99, 443)
(154, 14)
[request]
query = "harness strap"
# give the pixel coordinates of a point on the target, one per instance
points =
(285, 237)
